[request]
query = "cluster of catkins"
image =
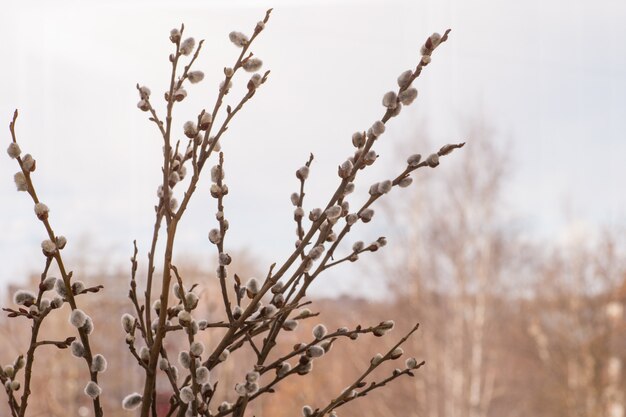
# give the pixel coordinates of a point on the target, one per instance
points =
(198, 144)
(9, 374)
(194, 130)
(39, 308)
(393, 101)
(188, 301)
(21, 180)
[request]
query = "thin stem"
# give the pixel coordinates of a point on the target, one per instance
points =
(84, 337)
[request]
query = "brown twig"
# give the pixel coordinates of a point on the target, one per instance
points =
(84, 337)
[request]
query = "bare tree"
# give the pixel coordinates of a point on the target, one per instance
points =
(458, 252)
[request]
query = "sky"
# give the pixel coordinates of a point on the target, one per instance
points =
(548, 76)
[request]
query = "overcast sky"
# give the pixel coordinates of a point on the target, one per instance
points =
(548, 76)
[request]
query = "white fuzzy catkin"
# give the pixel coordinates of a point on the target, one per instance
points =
(128, 322)
(177, 292)
(99, 363)
(302, 173)
(378, 128)
(174, 35)
(295, 198)
(238, 38)
(224, 355)
(253, 286)
(319, 331)
(224, 259)
(56, 302)
(143, 105)
(315, 214)
(284, 368)
(23, 297)
(366, 215)
(184, 359)
(41, 210)
(215, 236)
(315, 351)
(240, 389)
(144, 92)
(358, 139)
(20, 181)
(435, 38)
(186, 395)
(237, 312)
(370, 157)
(333, 212)
(345, 169)
(14, 150)
(256, 80)
(88, 326)
(48, 247)
(184, 317)
(180, 94)
(187, 46)
(385, 186)
(78, 287)
(78, 318)
(408, 96)
(93, 390)
(316, 252)
(377, 359)
(397, 352)
(61, 242)
(390, 100)
(252, 376)
(411, 363)
(190, 129)
(387, 324)
(290, 325)
(351, 218)
(28, 163)
(304, 313)
(191, 299)
(77, 349)
(217, 173)
(432, 160)
(48, 284)
(202, 375)
(205, 120)
(252, 64)
(414, 160)
(405, 182)
(132, 401)
(252, 388)
(144, 353)
(196, 348)
(195, 76)
(404, 79)
(224, 406)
